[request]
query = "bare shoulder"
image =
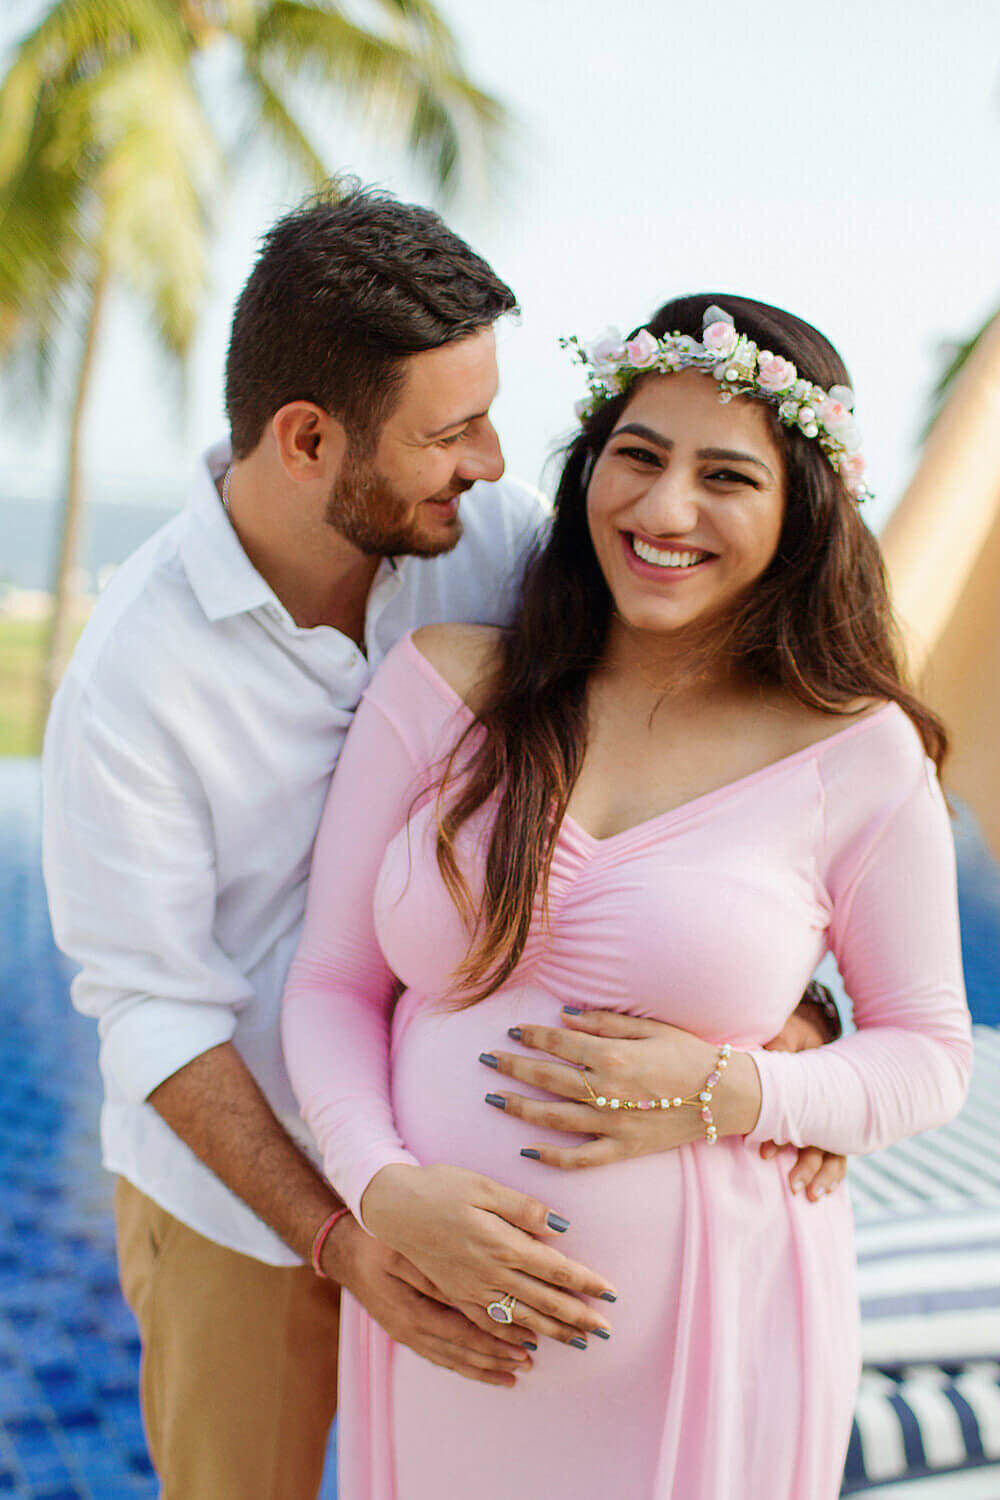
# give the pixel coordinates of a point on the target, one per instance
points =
(464, 655)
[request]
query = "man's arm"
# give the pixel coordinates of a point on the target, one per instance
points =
(130, 873)
(215, 1106)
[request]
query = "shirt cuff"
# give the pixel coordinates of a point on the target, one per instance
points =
(156, 1038)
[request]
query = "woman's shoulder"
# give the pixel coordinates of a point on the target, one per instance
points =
(872, 772)
(869, 754)
(462, 656)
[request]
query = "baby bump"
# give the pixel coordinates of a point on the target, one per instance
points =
(626, 1219)
(662, 1228)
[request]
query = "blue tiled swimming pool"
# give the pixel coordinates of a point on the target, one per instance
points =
(69, 1416)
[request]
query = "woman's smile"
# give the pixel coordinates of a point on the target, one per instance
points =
(664, 562)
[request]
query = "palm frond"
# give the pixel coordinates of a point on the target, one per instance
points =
(408, 84)
(73, 41)
(422, 18)
(274, 114)
(160, 169)
(45, 211)
(956, 356)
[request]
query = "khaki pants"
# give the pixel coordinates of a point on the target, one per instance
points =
(238, 1380)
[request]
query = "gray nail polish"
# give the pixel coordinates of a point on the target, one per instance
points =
(527, 1344)
(579, 1343)
(497, 1100)
(514, 1032)
(601, 1333)
(554, 1221)
(531, 1152)
(608, 1297)
(573, 1010)
(488, 1059)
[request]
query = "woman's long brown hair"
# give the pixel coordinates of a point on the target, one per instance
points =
(818, 623)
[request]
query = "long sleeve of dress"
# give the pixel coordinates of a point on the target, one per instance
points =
(339, 995)
(895, 935)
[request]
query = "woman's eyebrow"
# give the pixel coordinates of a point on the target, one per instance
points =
(746, 458)
(649, 433)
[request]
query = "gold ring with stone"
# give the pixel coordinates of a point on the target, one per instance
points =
(502, 1311)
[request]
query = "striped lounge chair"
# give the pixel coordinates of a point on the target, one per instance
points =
(927, 1423)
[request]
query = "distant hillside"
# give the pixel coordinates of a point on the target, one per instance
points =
(28, 539)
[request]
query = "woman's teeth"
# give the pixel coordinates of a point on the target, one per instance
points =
(661, 559)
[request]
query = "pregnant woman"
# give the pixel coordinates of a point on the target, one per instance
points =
(688, 770)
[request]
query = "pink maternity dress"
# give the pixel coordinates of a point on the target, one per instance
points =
(731, 1370)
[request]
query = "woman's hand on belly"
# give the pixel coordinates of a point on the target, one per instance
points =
(626, 1057)
(478, 1242)
(634, 1089)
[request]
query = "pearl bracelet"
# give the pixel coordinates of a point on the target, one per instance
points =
(702, 1101)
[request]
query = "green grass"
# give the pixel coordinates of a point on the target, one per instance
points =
(22, 645)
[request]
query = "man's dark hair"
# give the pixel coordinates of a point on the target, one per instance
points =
(345, 287)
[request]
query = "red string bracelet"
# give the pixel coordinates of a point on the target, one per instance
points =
(320, 1240)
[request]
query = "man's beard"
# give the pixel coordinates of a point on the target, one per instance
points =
(373, 517)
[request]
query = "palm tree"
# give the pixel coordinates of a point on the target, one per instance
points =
(110, 164)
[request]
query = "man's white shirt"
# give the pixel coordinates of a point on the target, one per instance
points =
(186, 763)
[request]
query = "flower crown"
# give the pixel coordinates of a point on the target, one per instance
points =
(742, 369)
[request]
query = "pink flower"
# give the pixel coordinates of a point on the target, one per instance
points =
(852, 471)
(642, 351)
(838, 421)
(774, 373)
(719, 339)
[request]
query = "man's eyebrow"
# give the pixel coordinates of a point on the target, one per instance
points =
(652, 436)
(458, 422)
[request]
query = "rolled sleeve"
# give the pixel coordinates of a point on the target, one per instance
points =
(153, 1039)
(129, 864)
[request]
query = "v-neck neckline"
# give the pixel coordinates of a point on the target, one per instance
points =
(683, 809)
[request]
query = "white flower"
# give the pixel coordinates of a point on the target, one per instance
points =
(843, 394)
(715, 314)
(606, 351)
(687, 347)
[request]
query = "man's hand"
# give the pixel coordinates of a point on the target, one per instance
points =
(814, 1171)
(409, 1308)
(809, 1025)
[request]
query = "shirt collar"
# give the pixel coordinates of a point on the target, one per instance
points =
(224, 580)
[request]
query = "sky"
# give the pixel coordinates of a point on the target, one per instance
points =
(840, 160)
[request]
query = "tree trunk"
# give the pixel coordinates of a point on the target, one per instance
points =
(64, 594)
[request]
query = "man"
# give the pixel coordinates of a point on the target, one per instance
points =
(186, 764)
